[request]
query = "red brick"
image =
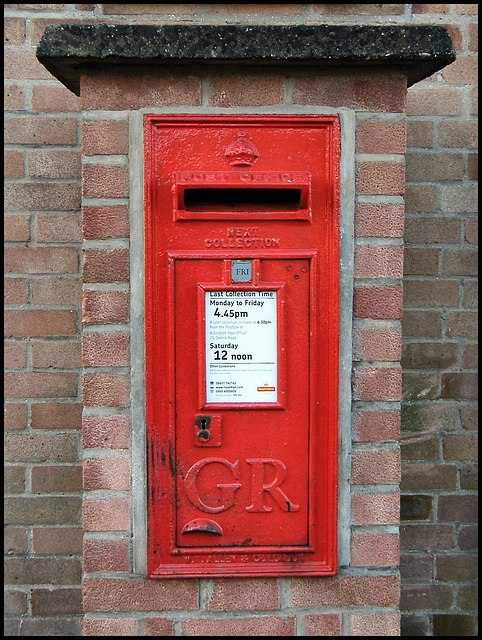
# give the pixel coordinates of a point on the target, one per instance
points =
(16, 228)
(105, 390)
(15, 291)
(434, 166)
(15, 540)
(244, 593)
(432, 230)
(156, 627)
(373, 426)
(471, 234)
(105, 432)
(431, 293)
(110, 627)
(106, 473)
(105, 222)
(106, 265)
(345, 591)
(460, 447)
(463, 71)
(65, 415)
(420, 262)
(41, 130)
(105, 514)
(105, 137)
(111, 594)
(377, 344)
(105, 555)
(57, 539)
(366, 93)
(379, 220)
(377, 384)
(49, 163)
(421, 324)
(129, 89)
(460, 385)
(375, 550)
(13, 163)
(249, 626)
(431, 102)
(15, 354)
(14, 31)
(42, 510)
(23, 64)
(56, 602)
(58, 291)
(14, 416)
(46, 98)
(375, 467)
(48, 479)
(462, 324)
(41, 260)
(418, 597)
(246, 90)
(458, 507)
(105, 307)
(419, 133)
(375, 508)
(41, 447)
(40, 385)
(39, 322)
(375, 136)
(59, 354)
(15, 603)
(105, 349)
(380, 303)
(428, 476)
(99, 181)
(460, 262)
(458, 134)
(327, 624)
(13, 97)
(378, 262)
(380, 178)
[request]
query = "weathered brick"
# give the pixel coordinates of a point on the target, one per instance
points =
(428, 476)
(41, 260)
(429, 416)
(55, 540)
(455, 623)
(39, 322)
(56, 601)
(460, 385)
(42, 510)
(427, 537)
(58, 163)
(416, 507)
(421, 324)
(106, 473)
(434, 166)
(430, 293)
(418, 597)
(49, 479)
(458, 507)
(420, 262)
(51, 415)
(40, 130)
(460, 447)
(429, 355)
(55, 571)
(343, 591)
(456, 568)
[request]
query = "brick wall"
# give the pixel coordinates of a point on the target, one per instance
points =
(46, 306)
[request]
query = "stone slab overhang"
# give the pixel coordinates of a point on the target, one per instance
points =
(66, 50)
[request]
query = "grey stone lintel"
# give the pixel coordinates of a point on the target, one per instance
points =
(416, 51)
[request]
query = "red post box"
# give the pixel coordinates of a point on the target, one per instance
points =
(241, 344)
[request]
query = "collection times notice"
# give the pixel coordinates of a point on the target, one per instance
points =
(241, 346)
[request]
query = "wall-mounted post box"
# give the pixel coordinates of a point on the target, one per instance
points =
(241, 344)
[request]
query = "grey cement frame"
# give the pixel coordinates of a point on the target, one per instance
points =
(136, 211)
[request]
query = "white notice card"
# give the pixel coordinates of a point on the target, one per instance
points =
(241, 346)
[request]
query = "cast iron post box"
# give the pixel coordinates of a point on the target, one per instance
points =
(241, 344)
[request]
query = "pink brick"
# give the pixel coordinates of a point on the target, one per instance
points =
(341, 591)
(106, 473)
(106, 514)
(378, 262)
(373, 426)
(377, 384)
(377, 344)
(105, 350)
(105, 137)
(380, 178)
(374, 136)
(100, 181)
(375, 467)
(105, 307)
(105, 432)
(105, 555)
(111, 594)
(375, 508)
(379, 220)
(375, 624)
(375, 550)
(110, 627)
(105, 390)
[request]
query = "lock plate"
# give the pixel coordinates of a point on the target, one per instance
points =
(207, 431)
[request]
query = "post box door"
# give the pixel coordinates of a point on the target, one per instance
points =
(242, 366)
(241, 344)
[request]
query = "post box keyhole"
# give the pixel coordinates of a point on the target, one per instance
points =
(203, 423)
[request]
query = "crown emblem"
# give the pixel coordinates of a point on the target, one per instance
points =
(241, 152)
